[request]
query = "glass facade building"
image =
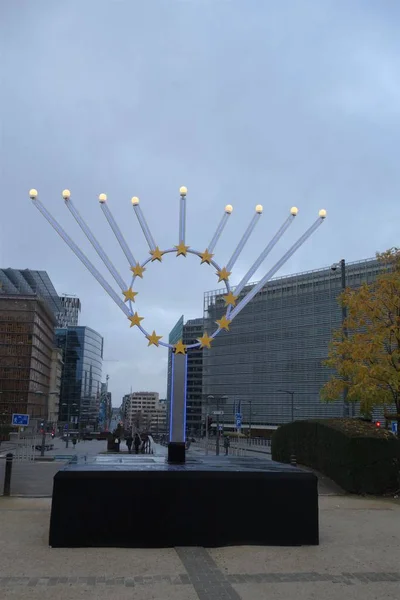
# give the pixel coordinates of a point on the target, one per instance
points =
(189, 332)
(26, 282)
(277, 345)
(82, 349)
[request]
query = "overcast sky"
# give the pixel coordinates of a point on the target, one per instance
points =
(244, 102)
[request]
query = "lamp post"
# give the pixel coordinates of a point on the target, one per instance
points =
(68, 418)
(45, 420)
(207, 416)
(342, 265)
(292, 401)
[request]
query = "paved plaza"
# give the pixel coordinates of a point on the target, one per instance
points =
(358, 557)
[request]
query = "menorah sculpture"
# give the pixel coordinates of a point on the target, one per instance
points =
(125, 298)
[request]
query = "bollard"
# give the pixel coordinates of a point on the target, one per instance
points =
(293, 461)
(7, 475)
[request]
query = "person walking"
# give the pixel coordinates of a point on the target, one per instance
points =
(136, 443)
(129, 442)
(227, 443)
(74, 442)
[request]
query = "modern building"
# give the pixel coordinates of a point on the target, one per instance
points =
(192, 330)
(82, 349)
(55, 387)
(16, 282)
(143, 412)
(272, 358)
(26, 351)
(189, 332)
(105, 407)
(68, 316)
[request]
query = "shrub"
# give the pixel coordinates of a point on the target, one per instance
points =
(358, 456)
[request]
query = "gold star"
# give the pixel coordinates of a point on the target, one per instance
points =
(153, 339)
(130, 295)
(156, 254)
(223, 323)
(135, 319)
(223, 274)
(137, 270)
(206, 257)
(230, 299)
(180, 348)
(181, 249)
(205, 340)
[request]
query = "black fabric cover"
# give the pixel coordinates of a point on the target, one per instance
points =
(218, 501)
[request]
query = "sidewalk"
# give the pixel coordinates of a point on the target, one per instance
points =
(358, 559)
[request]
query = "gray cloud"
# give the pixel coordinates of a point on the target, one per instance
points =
(243, 102)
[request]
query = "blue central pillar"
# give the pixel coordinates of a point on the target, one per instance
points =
(177, 433)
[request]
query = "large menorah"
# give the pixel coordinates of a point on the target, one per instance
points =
(235, 300)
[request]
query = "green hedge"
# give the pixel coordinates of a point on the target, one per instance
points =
(358, 456)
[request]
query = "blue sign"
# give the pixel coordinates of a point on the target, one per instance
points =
(394, 426)
(238, 421)
(20, 420)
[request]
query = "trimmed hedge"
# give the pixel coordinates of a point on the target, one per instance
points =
(358, 456)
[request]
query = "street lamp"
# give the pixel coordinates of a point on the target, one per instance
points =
(207, 417)
(342, 265)
(292, 400)
(44, 421)
(68, 418)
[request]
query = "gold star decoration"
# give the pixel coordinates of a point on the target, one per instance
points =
(180, 348)
(130, 295)
(137, 270)
(223, 274)
(181, 249)
(135, 319)
(206, 257)
(223, 323)
(205, 340)
(230, 299)
(156, 254)
(153, 339)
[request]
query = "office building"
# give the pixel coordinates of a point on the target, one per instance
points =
(143, 412)
(55, 387)
(276, 347)
(82, 349)
(26, 351)
(25, 282)
(105, 407)
(68, 316)
(189, 332)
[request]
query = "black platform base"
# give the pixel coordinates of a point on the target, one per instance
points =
(139, 502)
(176, 452)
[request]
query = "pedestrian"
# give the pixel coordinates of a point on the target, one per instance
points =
(136, 443)
(129, 442)
(74, 441)
(227, 443)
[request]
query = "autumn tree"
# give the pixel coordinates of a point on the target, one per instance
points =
(365, 351)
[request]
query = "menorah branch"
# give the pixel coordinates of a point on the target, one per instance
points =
(92, 239)
(257, 288)
(266, 251)
(78, 252)
(116, 230)
(245, 237)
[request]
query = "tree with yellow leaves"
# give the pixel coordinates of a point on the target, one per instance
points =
(365, 351)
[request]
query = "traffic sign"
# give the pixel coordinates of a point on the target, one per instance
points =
(238, 421)
(218, 412)
(394, 426)
(20, 420)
